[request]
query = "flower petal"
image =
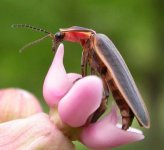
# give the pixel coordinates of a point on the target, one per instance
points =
(81, 101)
(35, 132)
(17, 103)
(111, 117)
(105, 134)
(73, 77)
(56, 83)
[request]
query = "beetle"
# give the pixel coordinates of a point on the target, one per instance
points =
(104, 59)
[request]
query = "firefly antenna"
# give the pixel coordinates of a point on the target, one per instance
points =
(30, 27)
(49, 34)
(33, 42)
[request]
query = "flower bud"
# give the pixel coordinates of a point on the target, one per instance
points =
(17, 103)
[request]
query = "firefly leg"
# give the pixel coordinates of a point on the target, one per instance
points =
(84, 60)
(103, 105)
(105, 84)
(53, 46)
(103, 72)
(93, 72)
(106, 90)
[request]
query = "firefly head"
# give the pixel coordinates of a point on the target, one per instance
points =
(57, 39)
(59, 36)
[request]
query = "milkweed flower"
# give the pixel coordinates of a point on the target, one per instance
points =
(73, 99)
(17, 103)
(24, 125)
(33, 133)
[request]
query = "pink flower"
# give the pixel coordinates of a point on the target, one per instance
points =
(17, 103)
(106, 133)
(33, 133)
(73, 101)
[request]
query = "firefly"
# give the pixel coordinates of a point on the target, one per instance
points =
(104, 60)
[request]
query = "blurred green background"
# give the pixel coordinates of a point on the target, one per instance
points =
(136, 28)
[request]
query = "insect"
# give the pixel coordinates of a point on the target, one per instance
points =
(105, 60)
